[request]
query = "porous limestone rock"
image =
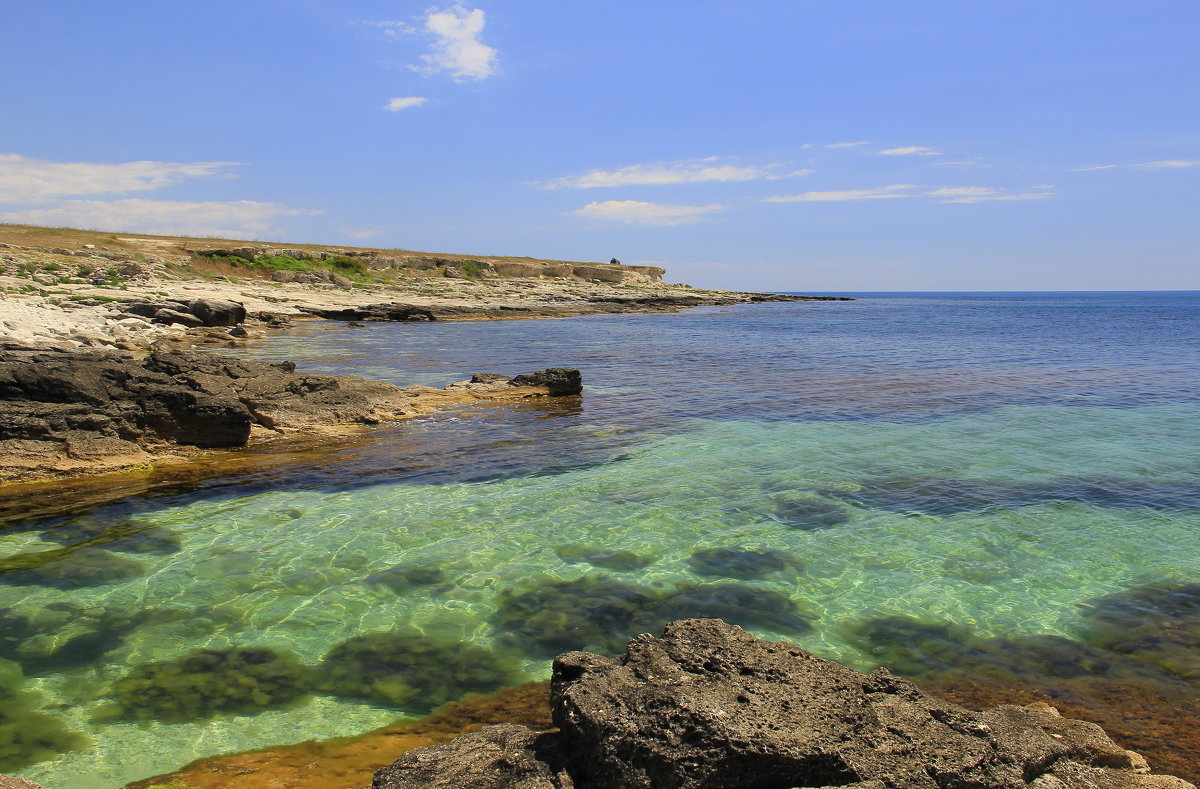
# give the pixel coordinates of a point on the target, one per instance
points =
(708, 706)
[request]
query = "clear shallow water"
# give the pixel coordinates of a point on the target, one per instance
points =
(990, 461)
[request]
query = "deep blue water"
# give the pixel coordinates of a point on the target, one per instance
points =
(881, 481)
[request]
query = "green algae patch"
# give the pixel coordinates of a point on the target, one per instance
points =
(741, 562)
(808, 511)
(67, 568)
(27, 735)
(403, 578)
(408, 669)
(206, 683)
(619, 560)
(62, 635)
(600, 614)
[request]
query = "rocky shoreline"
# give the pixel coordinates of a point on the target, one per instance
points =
(88, 411)
(70, 289)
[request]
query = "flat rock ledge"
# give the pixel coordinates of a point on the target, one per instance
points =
(708, 706)
(71, 412)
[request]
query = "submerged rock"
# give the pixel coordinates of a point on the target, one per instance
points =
(708, 706)
(741, 562)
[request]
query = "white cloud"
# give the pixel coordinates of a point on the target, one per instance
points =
(404, 102)
(168, 217)
(845, 144)
(980, 194)
(1170, 164)
(909, 150)
(1042, 186)
(359, 235)
(963, 191)
(1166, 164)
(457, 49)
(875, 193)
(690, 171)
(640, 213)
(25, 180)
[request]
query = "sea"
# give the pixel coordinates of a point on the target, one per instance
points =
(994, 494)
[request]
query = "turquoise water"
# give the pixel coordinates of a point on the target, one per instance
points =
(989, 461)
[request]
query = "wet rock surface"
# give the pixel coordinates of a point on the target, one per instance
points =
(708, 705)
(78, 411)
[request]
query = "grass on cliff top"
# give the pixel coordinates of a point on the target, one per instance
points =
(74, 239)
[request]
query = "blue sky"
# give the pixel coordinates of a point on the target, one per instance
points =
(805, 145)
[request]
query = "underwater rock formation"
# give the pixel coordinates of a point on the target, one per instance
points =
(708, 706)
(408, 669)
(207, 682)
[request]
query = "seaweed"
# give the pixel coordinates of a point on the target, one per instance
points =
(68, 568)
(619, 560)
(402, 578)
(597, 613)
(740, 562)
(600, 614)
(28, 735)
(124, 536)
(808, 511)
(50, 638)
(408, 669)
(207, 682)
(737, 604)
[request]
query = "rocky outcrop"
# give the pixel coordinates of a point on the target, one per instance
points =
(708, 706)
(197, 312)
(75, 411)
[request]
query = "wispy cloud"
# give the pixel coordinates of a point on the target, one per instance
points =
(640, 213)
(1170, 164)
(875, 193)
(690, 171)
(404, 103)
(845, 144)
(25, 180)
(1166, 164)
(980, 194)
(457, 49)
(135, 215)
(909, 150)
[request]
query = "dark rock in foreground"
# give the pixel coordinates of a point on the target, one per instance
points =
(708, 706)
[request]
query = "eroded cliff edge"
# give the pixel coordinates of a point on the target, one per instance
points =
(708, 706)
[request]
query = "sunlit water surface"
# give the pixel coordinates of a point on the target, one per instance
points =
(992, 461)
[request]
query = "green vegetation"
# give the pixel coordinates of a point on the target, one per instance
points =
(207, 682)
(27, 735)
(409, 669)
(547, 616)
(334, 264)
(68, 568)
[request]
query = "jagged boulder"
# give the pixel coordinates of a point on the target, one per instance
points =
(708, 706)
